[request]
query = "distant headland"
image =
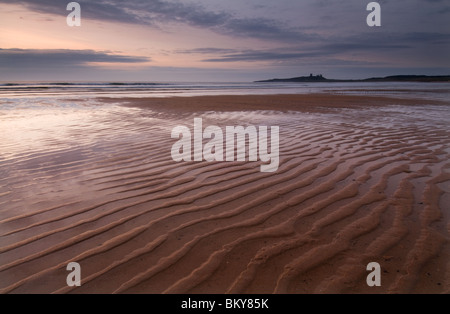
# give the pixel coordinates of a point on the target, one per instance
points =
(395, 78)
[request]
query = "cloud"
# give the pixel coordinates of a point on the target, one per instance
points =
(375, 46)
(264, 28)
(102, 10)
(367, 44)
(290, 53)
(157, 12)
(207, 50)
(55, 58)
(257, 55)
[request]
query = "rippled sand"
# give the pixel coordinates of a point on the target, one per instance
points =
(361, 179)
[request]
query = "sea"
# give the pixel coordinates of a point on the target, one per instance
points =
(18, 90)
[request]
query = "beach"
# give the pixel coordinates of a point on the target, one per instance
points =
(361, 179)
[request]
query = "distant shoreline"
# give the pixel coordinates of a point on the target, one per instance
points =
(395, 78)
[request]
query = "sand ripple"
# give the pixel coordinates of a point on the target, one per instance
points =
(355, 185)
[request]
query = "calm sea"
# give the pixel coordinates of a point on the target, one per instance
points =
(84, 90)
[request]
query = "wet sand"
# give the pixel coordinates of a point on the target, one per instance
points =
(360, 180)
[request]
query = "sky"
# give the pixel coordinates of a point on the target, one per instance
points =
(221, 40)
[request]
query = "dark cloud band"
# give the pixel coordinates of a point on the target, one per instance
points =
(156, 12)
(50, 58)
